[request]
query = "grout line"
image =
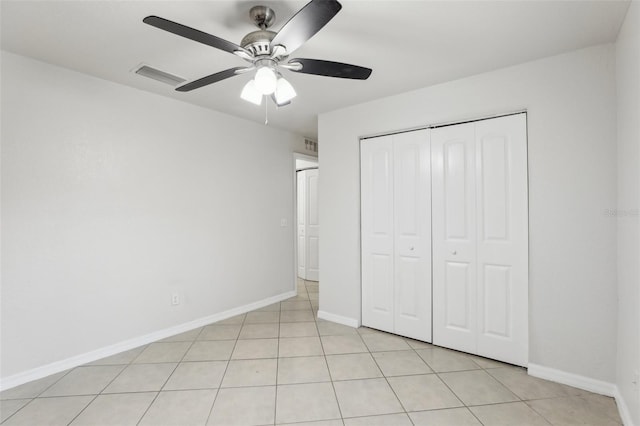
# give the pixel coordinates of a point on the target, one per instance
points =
(224, 373)
(326, 363)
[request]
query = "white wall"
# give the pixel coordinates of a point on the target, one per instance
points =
(114, 198)
(572, 178)
(628, 94)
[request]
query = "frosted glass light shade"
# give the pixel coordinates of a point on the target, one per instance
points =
(284, 91)
(266, 80)
(251, 94)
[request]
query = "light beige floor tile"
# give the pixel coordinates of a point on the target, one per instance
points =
(299, 346)
(573, 410)
(196, 375)
(10, 406)
(180, 408)
(328, 328)
(275, 307)
(416, 344)
(84, 381)
(295, 305)
(210, 350)
(445, 417)
(298, 329)
(335, 422)
(385, 342)
(367, 397)
(31, 389)
(115, 410)
(477, 387)
(302, 370)
(306, 402)
(49, 411)
(238, 319)
(490, 363)
(366, 330)
(299, 297)
(382, 420)
(255, 348)
(220, 332)
(529, 387)
(250, 372)
(244, 406)
(444, 360)
(163, 352)
(141, 378)
(122, 358)
(424, 392)
(261, 317)
(401, 363)
(297, 316)
(353, 366)
(342, 344)
(187, 336)
(259, 331)
(604, 404)
(512, 413)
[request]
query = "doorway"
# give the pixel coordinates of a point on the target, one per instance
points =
(307, 270)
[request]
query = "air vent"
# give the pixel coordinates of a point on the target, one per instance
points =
(156, 74)
(310, 145)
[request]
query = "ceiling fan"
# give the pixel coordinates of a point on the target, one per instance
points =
(267, 51)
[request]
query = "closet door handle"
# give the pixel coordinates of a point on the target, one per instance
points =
(411, 248)
(454, 252)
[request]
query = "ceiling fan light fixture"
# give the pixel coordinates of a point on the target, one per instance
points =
(284, 91)
(266, 80)
(251, 94)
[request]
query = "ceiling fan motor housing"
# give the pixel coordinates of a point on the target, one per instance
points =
(258, 42)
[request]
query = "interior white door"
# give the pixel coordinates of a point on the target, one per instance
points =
(412, 234)
(454, 237)
(376, 157)
(501, 191)
(312, 224)
(480, 238)
(300, 222)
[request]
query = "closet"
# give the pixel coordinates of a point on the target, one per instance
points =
(469, 285)
(396, 234)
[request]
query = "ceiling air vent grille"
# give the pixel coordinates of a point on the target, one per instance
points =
(310, 145)
(156, 74)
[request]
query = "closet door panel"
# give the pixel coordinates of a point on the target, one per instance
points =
(377, 232)
(501, 182)
(454, 237)
(412, 225)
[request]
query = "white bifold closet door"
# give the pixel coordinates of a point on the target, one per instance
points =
(396, 234)
(480, 238)
(308, 224)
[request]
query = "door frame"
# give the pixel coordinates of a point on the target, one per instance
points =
(294, 221)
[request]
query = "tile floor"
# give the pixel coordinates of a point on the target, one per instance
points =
(279, 365)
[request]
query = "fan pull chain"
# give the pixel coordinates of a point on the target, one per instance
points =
(266, 112)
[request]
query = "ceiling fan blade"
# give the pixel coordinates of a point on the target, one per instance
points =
(304, 24)
(330, 69)
(192, 34)
(210, 79)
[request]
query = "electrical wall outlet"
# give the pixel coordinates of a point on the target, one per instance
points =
(175, 299)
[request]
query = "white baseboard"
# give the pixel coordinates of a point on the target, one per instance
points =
(351, 322)
(623, 409)
(74, 361)
(584, 383)
(571, 379)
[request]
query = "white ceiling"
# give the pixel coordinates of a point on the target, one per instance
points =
(408, 44)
